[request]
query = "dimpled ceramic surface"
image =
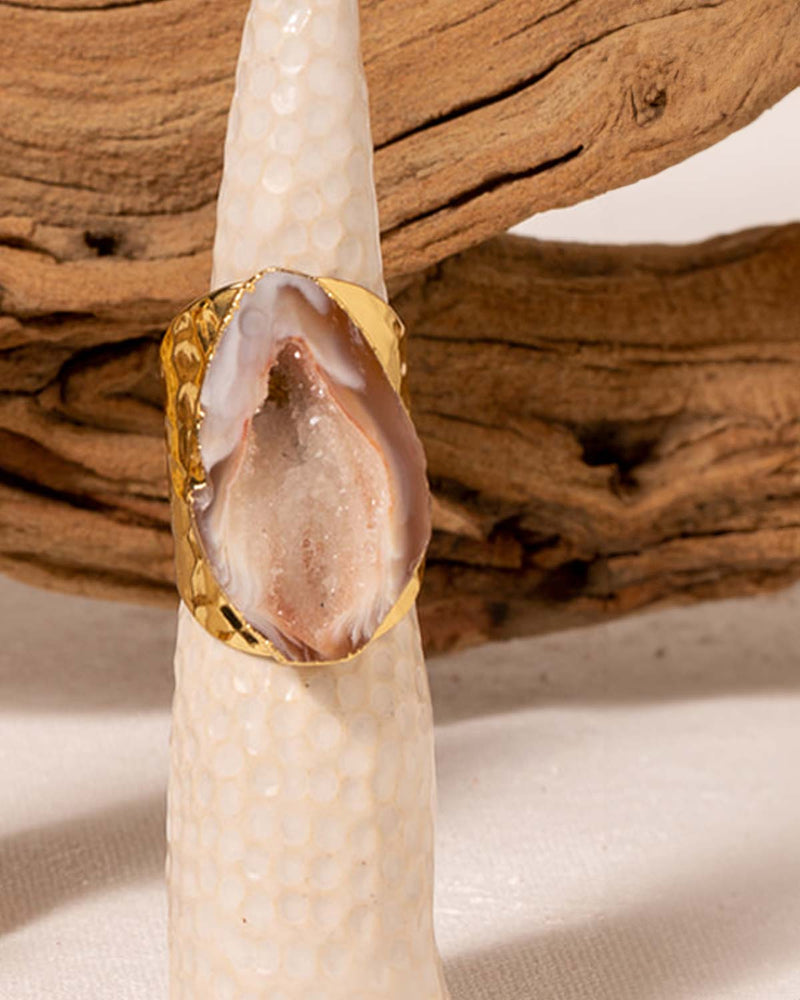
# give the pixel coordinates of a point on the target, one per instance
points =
(297, 190)
(301, 799)
(300, 825)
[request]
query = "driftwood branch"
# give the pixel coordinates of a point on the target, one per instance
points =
(620, 427)
(483, 113)
(627, 431)
(606, 429)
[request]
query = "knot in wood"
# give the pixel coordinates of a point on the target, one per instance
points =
(649, 99)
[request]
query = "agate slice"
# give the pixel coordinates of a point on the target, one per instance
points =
(314, 514)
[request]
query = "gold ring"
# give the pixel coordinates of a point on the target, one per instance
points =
(187, 350)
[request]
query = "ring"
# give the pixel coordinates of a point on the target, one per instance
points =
(297, 345)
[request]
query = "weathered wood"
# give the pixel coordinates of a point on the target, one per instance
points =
(483, 112)
(607, 428)
(623, 425)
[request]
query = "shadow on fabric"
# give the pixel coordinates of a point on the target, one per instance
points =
(697, 937)
(713, 650)
(47, 867)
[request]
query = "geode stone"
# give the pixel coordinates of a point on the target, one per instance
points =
(315, 510)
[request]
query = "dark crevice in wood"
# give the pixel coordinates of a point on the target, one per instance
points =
(29, 486)
(490, 185)
(80, 8)
(566, 582)
(524, 84)
(48, 464)
(624, 445)
(101, 578)
(103, 244)
(524, 28)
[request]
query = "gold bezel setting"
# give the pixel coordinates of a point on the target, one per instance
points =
(186, 350)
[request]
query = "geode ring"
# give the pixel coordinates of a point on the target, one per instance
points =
(300, 505)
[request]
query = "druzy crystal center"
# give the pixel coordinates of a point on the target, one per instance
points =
(314, 513)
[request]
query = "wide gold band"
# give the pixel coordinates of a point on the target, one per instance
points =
(186, 351)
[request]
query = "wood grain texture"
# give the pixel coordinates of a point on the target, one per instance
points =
(484, 112)
(607, 428)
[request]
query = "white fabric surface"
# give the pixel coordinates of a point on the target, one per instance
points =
(619, 809)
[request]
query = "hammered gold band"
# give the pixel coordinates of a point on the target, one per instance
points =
(186, 350)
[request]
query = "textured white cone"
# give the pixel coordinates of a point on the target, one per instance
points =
(297, 190)
(301, 801)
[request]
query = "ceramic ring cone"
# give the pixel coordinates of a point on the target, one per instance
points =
(301, 800)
